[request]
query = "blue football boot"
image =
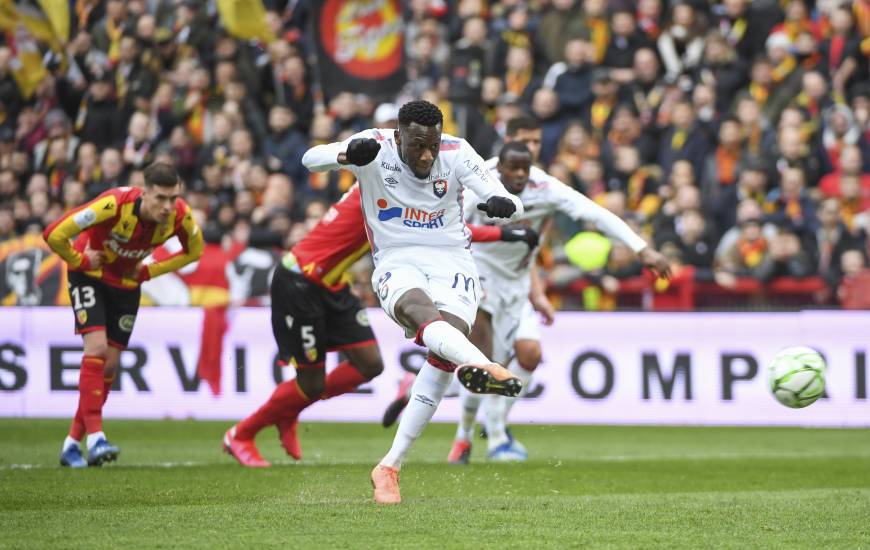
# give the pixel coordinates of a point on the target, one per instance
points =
(72, 457)
(102, 452)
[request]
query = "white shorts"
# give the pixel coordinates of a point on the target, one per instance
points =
(513, 317)
(447, 275)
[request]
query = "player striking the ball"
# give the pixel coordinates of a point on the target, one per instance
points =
(314, 311)
(411, 183)
(113, 234)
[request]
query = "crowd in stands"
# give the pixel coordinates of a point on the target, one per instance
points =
(734, 135)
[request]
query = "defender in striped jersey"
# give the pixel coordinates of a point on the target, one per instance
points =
(314, 312)
(113, 234)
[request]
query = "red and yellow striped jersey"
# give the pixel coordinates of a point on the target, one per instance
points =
(110, 223)
(335, 243)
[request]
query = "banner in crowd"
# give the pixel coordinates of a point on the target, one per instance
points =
(635, 368)
(360, 47)
(30, 274)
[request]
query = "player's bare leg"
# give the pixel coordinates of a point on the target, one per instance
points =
(99, 363)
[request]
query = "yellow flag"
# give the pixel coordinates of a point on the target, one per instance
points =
(245, 19)
(57, 12)
(27, 68)
(35, 20)
(8, 16)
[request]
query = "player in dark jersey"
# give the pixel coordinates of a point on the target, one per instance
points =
(113, 234)
(313, 312)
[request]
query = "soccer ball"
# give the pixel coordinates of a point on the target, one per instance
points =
(797, 376)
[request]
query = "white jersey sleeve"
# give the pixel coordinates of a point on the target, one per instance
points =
(322, 158)
(472, 172)
(580, 207)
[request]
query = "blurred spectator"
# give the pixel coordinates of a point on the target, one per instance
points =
(681, 45)
(99, 121)
(683, 140)
(562, 22)
(748, 253)
(572, 79)
(751, 184)
(850, 166)
(110, 174)
(625, 40)
(831, 240)
(854, 289)
(720, 168)
(545, 106)
(284, 145)
(790, 205)
(840, 130)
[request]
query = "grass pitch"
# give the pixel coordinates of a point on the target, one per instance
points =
(603, 487)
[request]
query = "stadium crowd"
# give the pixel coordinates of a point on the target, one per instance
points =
(734, 135)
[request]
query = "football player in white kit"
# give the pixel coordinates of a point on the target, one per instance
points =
(411, 182)
(505, 274)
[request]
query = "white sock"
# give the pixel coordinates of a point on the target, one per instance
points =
(445, 341)
(429, 388)
(69, 442)
(498, 407)
(94, 437)
(470, 406)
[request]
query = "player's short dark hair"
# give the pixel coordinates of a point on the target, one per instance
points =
(420, 111)
(513, 147)
(162, 174)
(522, 122)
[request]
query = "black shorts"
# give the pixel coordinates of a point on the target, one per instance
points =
(98, 306)
(309, 320)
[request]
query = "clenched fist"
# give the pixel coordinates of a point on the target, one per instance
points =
(362, 151)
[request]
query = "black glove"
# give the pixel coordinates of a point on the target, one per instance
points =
(520, 233)
(498, 207)
(361, 151)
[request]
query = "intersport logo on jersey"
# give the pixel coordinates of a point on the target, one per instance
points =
(411, 217)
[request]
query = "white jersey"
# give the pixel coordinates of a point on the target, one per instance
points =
(542, 197)
(402, 210)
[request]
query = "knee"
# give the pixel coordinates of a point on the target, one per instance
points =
(97, 349)
(371, 368)
(528, 354)
(312, 382)
(312, 388)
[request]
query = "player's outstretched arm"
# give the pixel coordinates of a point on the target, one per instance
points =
(59, 234)
(580, 207)
(192, 244)
(359, 150)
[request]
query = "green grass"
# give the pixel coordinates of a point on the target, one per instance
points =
(587, 486)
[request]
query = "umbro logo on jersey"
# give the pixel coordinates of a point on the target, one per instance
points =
(391, 182)
(390, 167)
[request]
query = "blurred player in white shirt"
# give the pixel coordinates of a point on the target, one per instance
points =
(506, 327)
(411, 182)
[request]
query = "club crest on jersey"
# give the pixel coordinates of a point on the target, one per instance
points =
(82, 316)
(439, 187)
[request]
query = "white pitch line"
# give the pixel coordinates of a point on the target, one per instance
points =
(323, 461)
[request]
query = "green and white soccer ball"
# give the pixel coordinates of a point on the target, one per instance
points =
(797, 376)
